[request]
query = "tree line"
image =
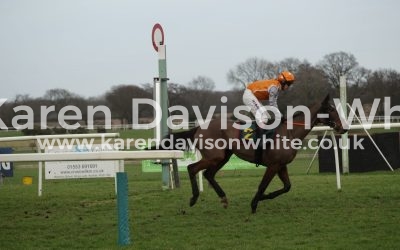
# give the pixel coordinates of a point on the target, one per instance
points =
(312, 83)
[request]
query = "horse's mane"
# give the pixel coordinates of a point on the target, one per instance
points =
(298, 114)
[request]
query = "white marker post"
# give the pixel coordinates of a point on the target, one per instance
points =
(157, 37)
(343, 103)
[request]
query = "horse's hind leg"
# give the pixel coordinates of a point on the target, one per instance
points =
(209, 174)
(193, 169)
(284, 176)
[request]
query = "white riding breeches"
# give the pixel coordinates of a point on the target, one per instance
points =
(256, 108)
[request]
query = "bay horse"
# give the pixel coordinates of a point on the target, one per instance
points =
(274, 158)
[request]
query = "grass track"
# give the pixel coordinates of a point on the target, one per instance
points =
(81, 214)
(313, 215)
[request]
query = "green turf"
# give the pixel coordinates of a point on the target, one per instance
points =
(9, 133)
(82, 213)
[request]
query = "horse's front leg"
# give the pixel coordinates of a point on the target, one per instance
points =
(267, 178)
(284, 176)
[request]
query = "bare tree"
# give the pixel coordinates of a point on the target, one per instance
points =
(382, 83)
(120, 97)
(58, 94)
(21, 99)
(177, 95)
(291, 64)
(337, 64)
(199, 91)
(61, 98)
(148, 87)
(359, 76)
(203, 83)
(251, 70)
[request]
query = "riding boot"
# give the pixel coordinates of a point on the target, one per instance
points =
(258, 152)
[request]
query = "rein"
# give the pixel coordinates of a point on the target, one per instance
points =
(297, 123)
(330, 124)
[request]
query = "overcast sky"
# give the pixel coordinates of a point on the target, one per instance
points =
(88, 46)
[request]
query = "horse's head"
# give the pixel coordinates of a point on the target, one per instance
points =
(328, 115)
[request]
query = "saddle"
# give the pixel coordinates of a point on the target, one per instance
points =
(254, 132)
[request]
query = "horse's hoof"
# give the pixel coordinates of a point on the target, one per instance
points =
(254, 207)
(193, 201)
(224, 202)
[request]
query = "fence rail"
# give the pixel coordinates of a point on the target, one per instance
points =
(83, 156)
(116, 127)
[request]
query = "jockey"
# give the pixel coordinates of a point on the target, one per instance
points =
(266, 90)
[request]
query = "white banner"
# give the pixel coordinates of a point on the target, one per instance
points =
(80, 169)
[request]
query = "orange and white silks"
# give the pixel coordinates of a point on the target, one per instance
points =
(261, 88)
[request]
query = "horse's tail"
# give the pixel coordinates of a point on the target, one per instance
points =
(176, 141)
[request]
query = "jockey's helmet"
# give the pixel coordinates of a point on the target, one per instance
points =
(286, 77)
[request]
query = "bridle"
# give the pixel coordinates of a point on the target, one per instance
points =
(330, 123)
